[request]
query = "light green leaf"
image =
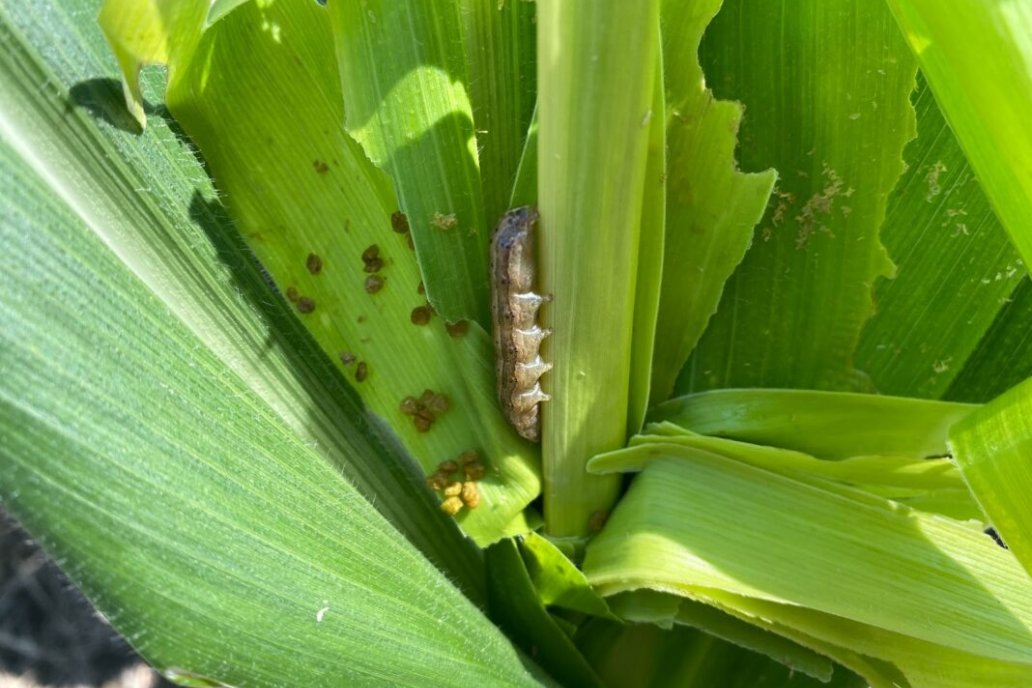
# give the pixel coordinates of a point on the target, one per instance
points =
(881, 470)
(976, 58)
(902, 660)
(405, 80)
(956, 267)
(935, 580)
(177, 499)
(725, 526)
(993, 448)
(712, 208)
(596, 73)
(826, 90)
(828, 425)
(329, 204)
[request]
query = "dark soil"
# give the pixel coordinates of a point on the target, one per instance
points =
(49, 633)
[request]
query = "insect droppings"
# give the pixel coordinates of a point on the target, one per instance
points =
(305, 304)
(361, 372)
(314, 264)
(457, 330)
(399, 223)
(373, 284)
(420, 315)
(514, 310)
(470, 496)
(451, 506)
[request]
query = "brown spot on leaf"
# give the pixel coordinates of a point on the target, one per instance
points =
(305, 304)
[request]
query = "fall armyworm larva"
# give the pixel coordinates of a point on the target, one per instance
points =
(514, 309)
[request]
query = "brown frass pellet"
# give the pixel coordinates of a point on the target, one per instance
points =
(474, 471)
(437, 481)
(305, 304)
(448, 467)
(469, 494)
(361, 372)
(409, 406)
(451, 506)
(313, 263)
(399, 223)
(420, 315)
(292, 294)
(457, 329)
(373, 284)
(438, 405)
(373, 265)
(347, 358)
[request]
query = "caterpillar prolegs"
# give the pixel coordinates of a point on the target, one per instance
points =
(514, 310)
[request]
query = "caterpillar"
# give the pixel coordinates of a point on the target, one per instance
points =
(514, 309)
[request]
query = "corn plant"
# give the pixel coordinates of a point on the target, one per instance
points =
(247, 382)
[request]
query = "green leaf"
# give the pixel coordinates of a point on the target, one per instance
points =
(993, 448)
(515, 606)
(898, 474)
(596, 73)
(724, 529)
(329, 204)
(651, 253)
(1003, 357)
(556, 580)
(827, 102)
(711, 208)
(829, 425)
(405, 78)
(976, 59)
(643, 655)
(956, 267)
(649, 606)
(177, 499)
(149, 199)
